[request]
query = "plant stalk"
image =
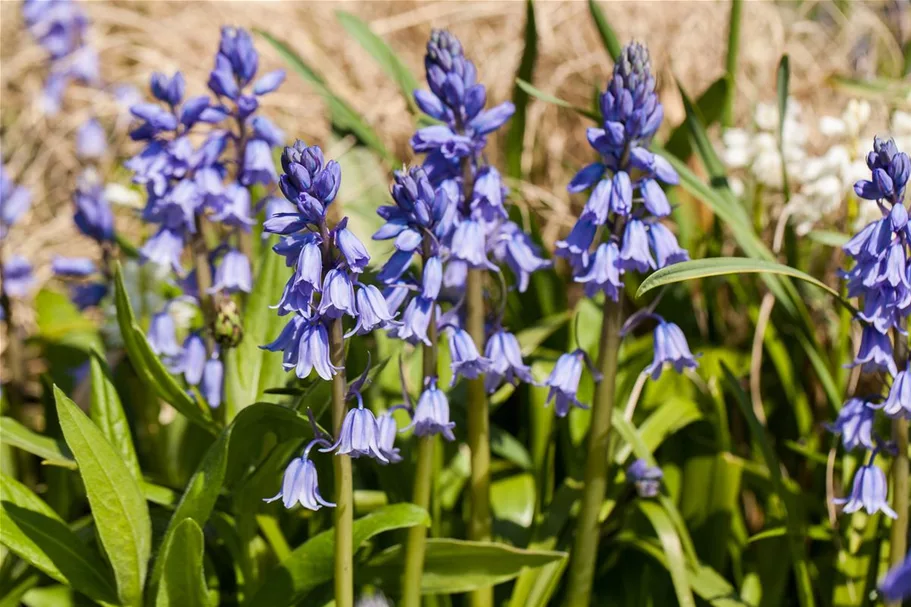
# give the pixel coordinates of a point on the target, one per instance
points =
(727, 116)
(585, 548)
(898, 537)
(344, 486)
(416, 543)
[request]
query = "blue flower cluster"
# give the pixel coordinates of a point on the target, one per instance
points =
(881, 277)
(15, 201)
(324, 288)
(190, 186)
(60, 27)
(620, 228)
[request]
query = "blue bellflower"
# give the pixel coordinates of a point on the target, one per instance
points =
(300, 484)
(359, 436)
(670, 349)
(466, 361)
(869, 492)
(431, 415)
(896, 586)
(564, 383)
(855, 424)
(505, 356)
(646, 479)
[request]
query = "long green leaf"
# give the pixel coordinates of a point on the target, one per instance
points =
(343, 115)
(107, 413)
(547, 97)
(723, 266)
(516, 135)
(118, 506)
(311, 564)
(452, 566)
(53, 452)
(385, 57)
(605, 31)
(709, 105)
(183, 583)
(670, 417)
(783, 79)
(673, 551)
(881, 89)
(148, 367)
(249, 369)
(33, 531)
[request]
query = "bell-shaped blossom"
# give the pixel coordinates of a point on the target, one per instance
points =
(868, 492)
(359, 436)
(564, 383)
(300, 484)
(634, 253)
(898, 402)
(646, 479)
(875, 352)
(233, 273)
(192, 359)
(213, 375)
(603, 272)
(17, 276)
(670, 349)
(505, 356)
(338, 295)
(896, 586)
(91, 140)
(855, 424)
(466, 361)
(386, 431)
(372, 312)
(351, 248)
(664, 244)
(73, 267)
(415, 321)
(162, 334)
(93, 217)
(431, 415)
(305, 343)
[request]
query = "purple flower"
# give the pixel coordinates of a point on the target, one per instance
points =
(233, 273)
(93, 212)
(646, 479)
(431, 415)
(162, 335)
(192, 359)
(466, 361)
(232, 207)
(258, 166)
(73, 267)
(468, 245)
(896, 586)
(432, 278)
(564, 383)
(386, 431)
(300, 484)
(17, 276)
(664, 244)
(505, 357)
(855, 424)
(352, 249)
(88, 295)
(898, 403)
(869, 492)
(635, 254)
(14, 202)
(305, 344)
(213, 381)
(359, 436)
(309, 268)
(91, 140)
(875, 352)
(670, 348)
(515, 247)
(603, 272)
(415, 321)
(338, 295)
(372, 312)
(654, 198)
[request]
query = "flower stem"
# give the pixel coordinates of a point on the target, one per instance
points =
(344, 486)
(415, 546)
(585, 547)
(478, 432)
(898, 540)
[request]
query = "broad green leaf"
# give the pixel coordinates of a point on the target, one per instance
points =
(249, 369)
(344, 116)
(61, 322)
(709, 105)
(722, 266)
(148, 367)
(536, 587)
(605, 31)
(516, 136)
(385, 57)
(460, 566)
(673, 550)
(513, 499)
(311, 563)
(118, 506)
(730, 64)
(798, 555)
(107, 413)
(226, 458)
(53, 452)
(33, 531)
(548, 98)
(183, 583)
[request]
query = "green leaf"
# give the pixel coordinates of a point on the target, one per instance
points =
(548, 98)
(118, 506)
(605, 31)
(249, 369)
(33, 531)
(513, 499)
(535, 587)
(783, 78)
(61, 322)
(344, 116)
(673, 551)
(148, 367)
(709, 106)
(674, 414)
(723, 266)
(829, 238)
(879, 89)
(228, 456)
(107, 413)
(183, 583)
(311, 563)
(516, 136)
(52, 452)
(460, 566)
(385, 57)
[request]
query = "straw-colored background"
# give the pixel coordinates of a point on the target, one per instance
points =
(687, 42)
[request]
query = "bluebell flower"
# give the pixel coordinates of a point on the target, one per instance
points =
(469, 245)
(855, 424)
(670, 349)
(896, 586)
(88, 295)
(305, 343)
(415, 321)
(432, 278)
(165, 248)
(646, 479)
(634, 253)
(17, 276)
(192, 359)
(577, 244)
(14, 202)
(338, 295)
(386, 431)
(258, 166)
(431, 415)
(351, 248)
(564, 383)
(516, 249)
(466, 361)
(664, 244)
(300, 484)
(898, 402)
(603, 272)
(875, 352)
(73, 267)
(232, 207)
(213, 381)
(91, 140)
(505, 356)
(868, 492)
(359, 436)
(372, 312)
(93, 216)
(162, 334)
(233, 273)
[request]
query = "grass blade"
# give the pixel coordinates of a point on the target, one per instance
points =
(730, 63)
(605, 31)
(516, 136)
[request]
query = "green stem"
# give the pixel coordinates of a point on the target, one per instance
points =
(727, 117)
(898, 539)
(585, 549)
(344, 486)
(416, 543)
